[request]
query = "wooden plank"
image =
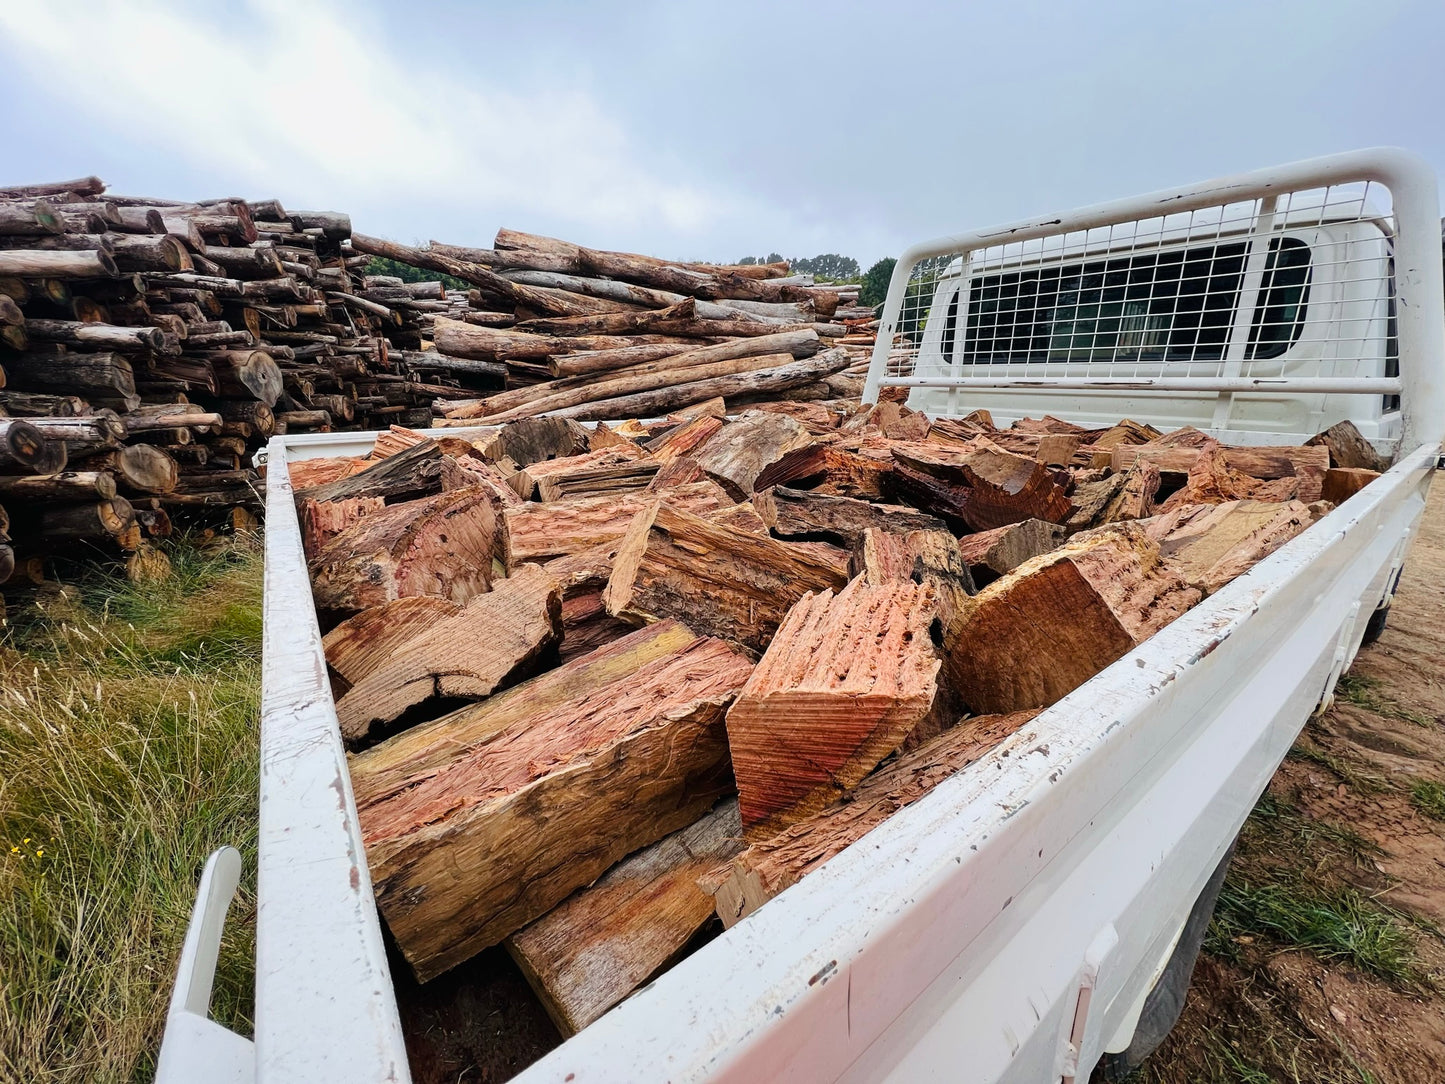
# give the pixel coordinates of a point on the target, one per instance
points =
(471, 849)
(604, 941)
(768, 867)
(495, 640)
(844, 681)
(724, 582)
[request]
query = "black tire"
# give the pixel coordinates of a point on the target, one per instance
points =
(1166, 1001)
(1376, 624)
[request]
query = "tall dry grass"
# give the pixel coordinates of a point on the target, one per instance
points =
(128, 752)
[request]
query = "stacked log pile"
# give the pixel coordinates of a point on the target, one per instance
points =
(605, 683)
(589, 334)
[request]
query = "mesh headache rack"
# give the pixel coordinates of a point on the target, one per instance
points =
(1271, 304)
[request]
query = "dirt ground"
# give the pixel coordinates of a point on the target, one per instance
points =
(1350, 827)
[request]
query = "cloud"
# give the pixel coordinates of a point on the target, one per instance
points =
(312, 100)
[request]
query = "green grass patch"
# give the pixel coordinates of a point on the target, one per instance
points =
(128, 735)
(1366, 784)
(1333, 925)
(1366, 693)
(1428, 797)
(1275, 815)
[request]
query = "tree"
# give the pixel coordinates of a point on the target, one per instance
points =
(875, 283)
(380, 265)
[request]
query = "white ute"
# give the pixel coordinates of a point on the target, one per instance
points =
(1030, 918)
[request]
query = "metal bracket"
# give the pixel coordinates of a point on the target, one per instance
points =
(194, 1046)
(1104, 942)
(1341, 657)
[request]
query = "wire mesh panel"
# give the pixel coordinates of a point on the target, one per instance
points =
(1229, 306)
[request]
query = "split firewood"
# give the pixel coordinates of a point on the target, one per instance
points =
(589, 474)
(1211, 544)
(510, 808)
(828, 469)
(309, 473)
(1264, 463)
(495, 640)
(805, 515)
(440, 545)
(604, 941)
(727, 583)
(534, 440)
(1135, 496)
(539, 532)
(1015, 654)
(767, 867)
(983, 488)
(991, 554)
(361, 643)
(1090, 499)
(742, 450)
(682, 441)
(321, 521)
(1342, 483)
(845, 680)
(1348, 448)
(405, 476)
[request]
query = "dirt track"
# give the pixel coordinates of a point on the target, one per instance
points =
(1340, 818)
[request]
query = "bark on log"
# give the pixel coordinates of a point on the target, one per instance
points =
(405, 476)
(251, 373)
(481, 835)
(102, 520)
(1013, 651)
(726, 583)
(984, 488)
(143, 252)
(65, 486)
(765, 869)
(1211, 544)
(1348, 448)
(29, 219)
(40, 263)
(740, 451)
(441, 545)
(991, 554)
(496, 639)
(505, 344)
(803, 516)
(604, 941)
(23, 448)
(844, 681)
(100, 336)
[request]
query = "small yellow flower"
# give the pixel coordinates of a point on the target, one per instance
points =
(25, 840)
(40, 854)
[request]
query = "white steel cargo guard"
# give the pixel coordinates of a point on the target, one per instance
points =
(1037, 915)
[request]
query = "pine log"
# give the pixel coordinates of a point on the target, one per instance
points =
(604, 941)
(991, 554)
(725, 583)
(23, 448)
(100, 336)
(1348, 448)
(1211, 544)
(508, 808)
(738, 453)
(102, 520)
(539, 532)
(405, 476)
(251, 373)
(143, 252)
(440, 545)
(1041, 631)
(983, 488)
(42, 263)
(495, 640)
(94, 375)
(845, 680)
(1342, 483)
(766, 868)
(65, 486)
(806, 516)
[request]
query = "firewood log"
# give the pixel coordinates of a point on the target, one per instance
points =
(1013, 653)
(24, 449)
(803, 515)
(562, 778)
(65, 486)
(536, 439)
(739, 452)
(604, 941)
(1348, 448)
(144, 252)
(539, 532)
(321, 521)
(1211, 544)
(495, 640)
(828, 469)
(364, 641)
(413, 473)
(723, 582)
(991, 554)
(40, 263)
(252, 373)
(1342, 483)
(984, 488)
(844, 681)
(440, 545)
(90, 522)
(766, 868)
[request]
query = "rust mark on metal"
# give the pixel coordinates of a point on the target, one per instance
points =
(824, 973)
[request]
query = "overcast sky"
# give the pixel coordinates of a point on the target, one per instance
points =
(704, 131)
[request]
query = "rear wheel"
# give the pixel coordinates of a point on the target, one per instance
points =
(1166, 1001)
(1376, 624)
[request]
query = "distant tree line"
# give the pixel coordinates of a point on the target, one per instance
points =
(828, 266)
(380, 265)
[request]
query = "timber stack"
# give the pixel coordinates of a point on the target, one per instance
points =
(611, 686)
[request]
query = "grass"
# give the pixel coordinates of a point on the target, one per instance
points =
(128, 739)
(1365, 692)
(1339, 924)
(1364, 782)
(1428, 797)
